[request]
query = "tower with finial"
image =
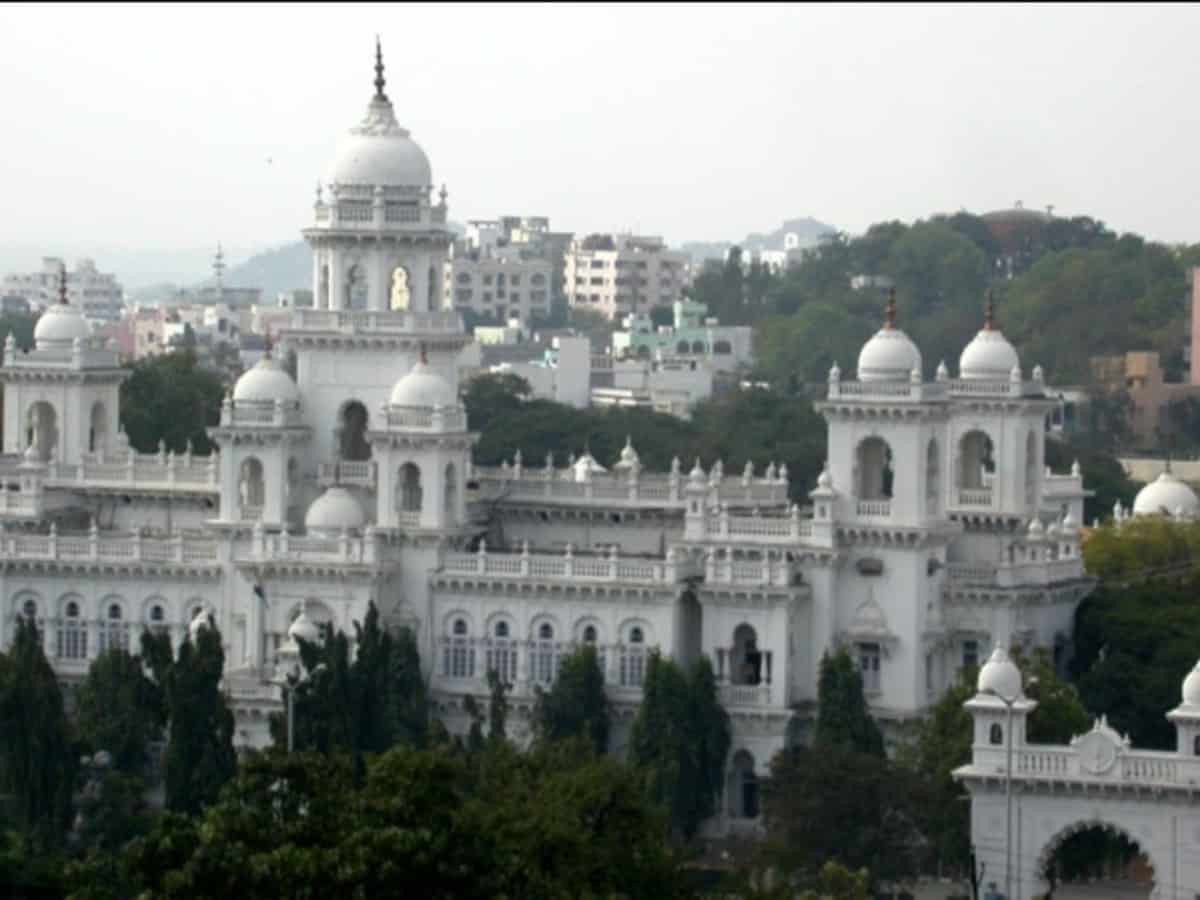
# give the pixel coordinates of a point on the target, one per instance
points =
(219, 271)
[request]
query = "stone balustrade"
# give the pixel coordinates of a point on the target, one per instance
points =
(1045, 570)
(419, 419)
(102, 546)
(1064, 763)
(357, 473)
(889, 391)
(343, 549)
(349, 321)
(567, 566)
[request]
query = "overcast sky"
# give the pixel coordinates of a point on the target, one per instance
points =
(177, 126)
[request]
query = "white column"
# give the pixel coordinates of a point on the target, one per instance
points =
(336, 287)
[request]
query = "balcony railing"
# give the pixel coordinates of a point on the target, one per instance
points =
(879, 509)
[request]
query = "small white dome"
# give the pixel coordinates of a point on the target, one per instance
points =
(303, 628)
(1164, 496)
(629, 456)
(266, 382)
(888, 356)
(201, 620)
(60, 326)
(989, 357)
(1000, 676)
(1191, 687)
(335, 511)
(423, 387)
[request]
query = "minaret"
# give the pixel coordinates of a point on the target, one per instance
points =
(219, 272)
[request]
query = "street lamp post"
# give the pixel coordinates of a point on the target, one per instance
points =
(1009, 703)
(289, 683)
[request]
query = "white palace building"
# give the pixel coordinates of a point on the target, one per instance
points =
(934, 532)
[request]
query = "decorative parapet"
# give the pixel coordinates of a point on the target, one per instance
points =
(887, 391)
(356, 473)
(94, 546)
(258, 414)
(344, 549)
(419, 419)
(147, 471)
(1016, 574)
(375, 321)
(565, 567)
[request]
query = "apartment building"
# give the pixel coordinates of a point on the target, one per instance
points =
(98, 295)
(623, 274)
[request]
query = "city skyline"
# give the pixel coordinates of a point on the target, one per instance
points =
(716, 124)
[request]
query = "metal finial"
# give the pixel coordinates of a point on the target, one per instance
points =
(989, 313)
(62, 284)
(889, 316)
(379, 81)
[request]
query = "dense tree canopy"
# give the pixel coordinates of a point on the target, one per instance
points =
(680, 739)
(575, 705)
(844, 722)
(119, 709)
(170, 398)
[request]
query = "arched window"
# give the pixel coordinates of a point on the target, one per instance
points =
(874, 465)
(98, 430)
(996, 734)
(399, 297)
(29, 611)
(352, 432)
(743, 787)
(976, 463)
(459, 655)
(633, 658)
(250, 488)
(697, 346)
(745, 662)
(410, 488)
(158, 619)
(113, 633)
(72, 634)
(722, 347)
(933, 478)
(589, 634)
(356, 287)
(682, 347)
(451, 495)
(502, 653)
(545, 655)
(42, 429)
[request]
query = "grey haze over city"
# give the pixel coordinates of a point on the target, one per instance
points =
(131, 129)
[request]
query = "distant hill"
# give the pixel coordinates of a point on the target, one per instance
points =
(808, 229)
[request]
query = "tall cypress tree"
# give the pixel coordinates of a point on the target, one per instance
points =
(119, 709)
(37, 763)
(200, 754)
(843, 720)
(576, 704)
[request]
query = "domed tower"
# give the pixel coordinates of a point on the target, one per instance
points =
(260, 438)
(379, 242)
(61, 398)
(421, 450)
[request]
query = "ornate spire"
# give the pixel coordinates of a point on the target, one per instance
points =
(889, 315)
(989, 313)
(379, 80)
(62, 284)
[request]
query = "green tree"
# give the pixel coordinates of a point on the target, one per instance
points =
(680, 739)
(490, 396)
(576, 704)
(169, 398)
(363, 706)
(200, 757)
(119, 709)
(37, 761)
(843, 719)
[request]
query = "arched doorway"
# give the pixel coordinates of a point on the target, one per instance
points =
(98, 429)
(251, 489)
(743, 787)
(400, 295)
(409, 491)
(874, 465)
(41, 429)
(933, 477)
(451, 498)
(745, 661)
(352, 432)
(356, 287)
(976, 462)
(1095, 859)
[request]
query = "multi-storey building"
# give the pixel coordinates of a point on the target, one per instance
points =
(98, 295)
(498, 285)
(694, 336)
(934, 531)
(620, 274)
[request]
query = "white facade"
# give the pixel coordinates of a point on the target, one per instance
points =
(1097, 780)
(563, 374)
(354, 483)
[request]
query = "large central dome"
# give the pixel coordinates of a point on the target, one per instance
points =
(378, 152)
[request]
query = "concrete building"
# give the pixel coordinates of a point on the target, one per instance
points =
(499, 286)
(98, 295)
(1141, 376)
(621, 274)
(669, 386)
(561, 373)
(693, 336)
(934, 530)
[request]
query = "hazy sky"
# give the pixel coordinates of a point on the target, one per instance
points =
(153, 126)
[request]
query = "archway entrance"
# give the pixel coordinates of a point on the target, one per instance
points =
(1095, 860)
(41, 429)
(352, 433)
